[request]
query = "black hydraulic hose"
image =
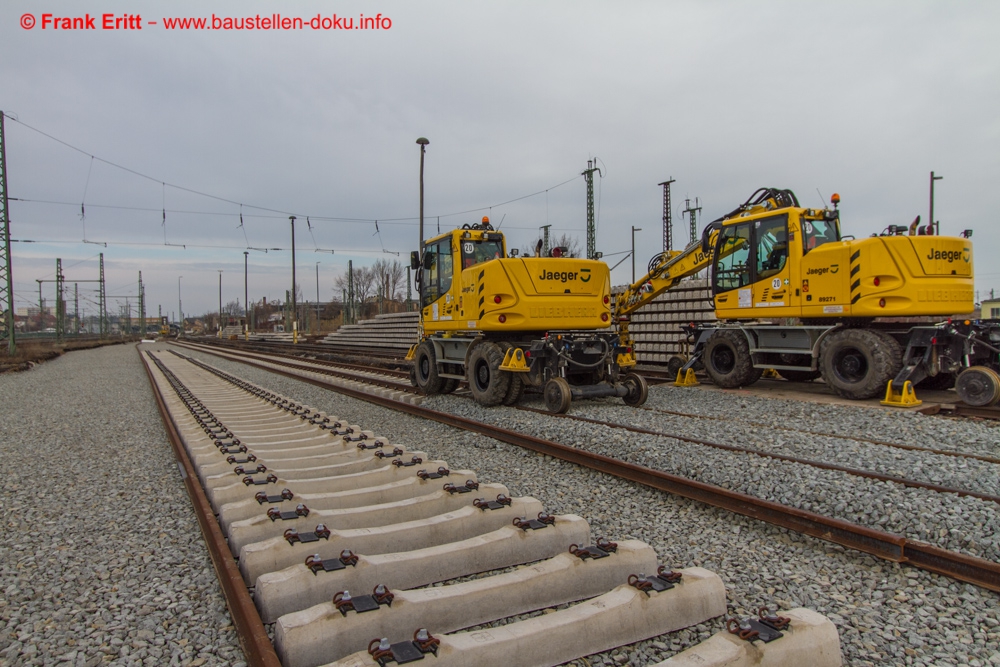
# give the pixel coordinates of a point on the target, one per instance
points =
(580, 364)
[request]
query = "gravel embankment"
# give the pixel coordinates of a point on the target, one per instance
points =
(886, 613)
(101, 556)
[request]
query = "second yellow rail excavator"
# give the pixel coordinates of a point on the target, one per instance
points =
(793, 294)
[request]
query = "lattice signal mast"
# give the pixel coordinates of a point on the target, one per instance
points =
(105, 329)
(60, 303)
(142, 307)
(693, 213)
(588, 175)
(668, 217)
(6, 276)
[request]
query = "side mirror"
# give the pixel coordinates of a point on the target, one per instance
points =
(415, 260)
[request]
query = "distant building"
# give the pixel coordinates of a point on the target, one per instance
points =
(991, 309)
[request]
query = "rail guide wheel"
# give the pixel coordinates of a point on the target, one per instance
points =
(557, 395)
(638, 389)
(978, 386)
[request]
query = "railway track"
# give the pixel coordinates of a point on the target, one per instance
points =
(398, 381)
(885, 545)
(314, 507)
(393, 363)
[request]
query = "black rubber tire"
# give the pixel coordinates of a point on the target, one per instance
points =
(858, 363)
(638, 389)
(674, 364)
(487, 382)
(727, 359)
(425, 370)
(516, 389)
(799, 376)
(939, 381)
(978, 386)
(558, 395)
(448, 385)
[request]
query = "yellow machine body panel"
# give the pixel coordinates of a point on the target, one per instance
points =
(889, 276)
(493, 293)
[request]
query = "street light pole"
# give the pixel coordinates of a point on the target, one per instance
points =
(936, 225)
(180, 312)
(423, 147)
(317, 297)
(246, 300)
(294, 313)
(220, 302)
(634, 230)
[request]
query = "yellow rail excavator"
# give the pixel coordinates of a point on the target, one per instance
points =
(505, 323)
(771, 260)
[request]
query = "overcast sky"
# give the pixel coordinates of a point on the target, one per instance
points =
(864, 99)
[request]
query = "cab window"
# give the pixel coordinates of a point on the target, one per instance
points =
(732, 266)
(477, 252)
(437, 279)
(817, 232)
(772, 246)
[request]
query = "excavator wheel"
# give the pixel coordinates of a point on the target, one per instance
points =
(858, 363)
(425, 370)
(558, 395)
(487, 382)
(727, 359)
(638, 389)
(448, 385)
(516, 389)
(978, 386)
(674, 364)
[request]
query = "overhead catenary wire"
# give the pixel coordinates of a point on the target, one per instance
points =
(281, 213)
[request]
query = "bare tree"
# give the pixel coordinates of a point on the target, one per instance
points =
(389, 277)
(233, 309)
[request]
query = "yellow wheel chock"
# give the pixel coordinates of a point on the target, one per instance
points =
(906, 398)
(514, 361)
(686, 380)
(770, 374)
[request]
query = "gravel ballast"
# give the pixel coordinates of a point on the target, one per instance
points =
(886, 613)
(101, 556)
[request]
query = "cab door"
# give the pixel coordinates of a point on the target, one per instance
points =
(732, 271)
(773, 287)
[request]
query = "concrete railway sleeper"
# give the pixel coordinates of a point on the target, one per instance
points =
(320, 512)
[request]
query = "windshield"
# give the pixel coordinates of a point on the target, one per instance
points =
(477, 252)
(817, 232)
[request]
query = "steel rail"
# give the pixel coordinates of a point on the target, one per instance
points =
(256, 645)
(299, 362)
(886, 443)
(888, 546)
(913, 483)
(962, 410)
